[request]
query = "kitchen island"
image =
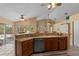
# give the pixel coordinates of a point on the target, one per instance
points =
(25, 46)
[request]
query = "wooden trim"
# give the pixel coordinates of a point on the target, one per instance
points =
(73, 33)
(69, 29)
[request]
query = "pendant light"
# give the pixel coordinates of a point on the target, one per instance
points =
(22, 18)
(67, 17)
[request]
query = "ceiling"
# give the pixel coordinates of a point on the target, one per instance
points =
(14, 10)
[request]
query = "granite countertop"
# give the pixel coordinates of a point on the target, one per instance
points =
(28, 38)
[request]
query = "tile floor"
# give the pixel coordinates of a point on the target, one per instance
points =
(9, 50)
(73, 51)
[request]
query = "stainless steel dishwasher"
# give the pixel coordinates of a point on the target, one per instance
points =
(39, 45)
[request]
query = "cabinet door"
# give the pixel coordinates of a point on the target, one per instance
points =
(47, 44)
(27, 47)
(51, 44)
(62, 43)
(54, 43)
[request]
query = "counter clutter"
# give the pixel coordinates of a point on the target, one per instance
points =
(25, 46)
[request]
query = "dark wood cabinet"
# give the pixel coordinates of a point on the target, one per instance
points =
(51, 44)
(47, 45)
(62, 42)
(24, 48)
(56, 43)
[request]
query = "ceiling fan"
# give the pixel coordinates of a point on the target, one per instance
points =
(51, 5)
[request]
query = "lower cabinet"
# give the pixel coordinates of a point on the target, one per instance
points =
(24, 48)
(56, 43)
(62, 43)
(27, 47)
(51, 44)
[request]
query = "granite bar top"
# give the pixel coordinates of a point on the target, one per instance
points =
(29, 38)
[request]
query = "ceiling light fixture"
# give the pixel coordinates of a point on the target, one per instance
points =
(49, 6)
(53, 5)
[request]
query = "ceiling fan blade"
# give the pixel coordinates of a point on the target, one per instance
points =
(44, 4)
(58, 4)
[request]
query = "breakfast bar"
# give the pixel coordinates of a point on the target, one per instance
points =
(25, 46)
